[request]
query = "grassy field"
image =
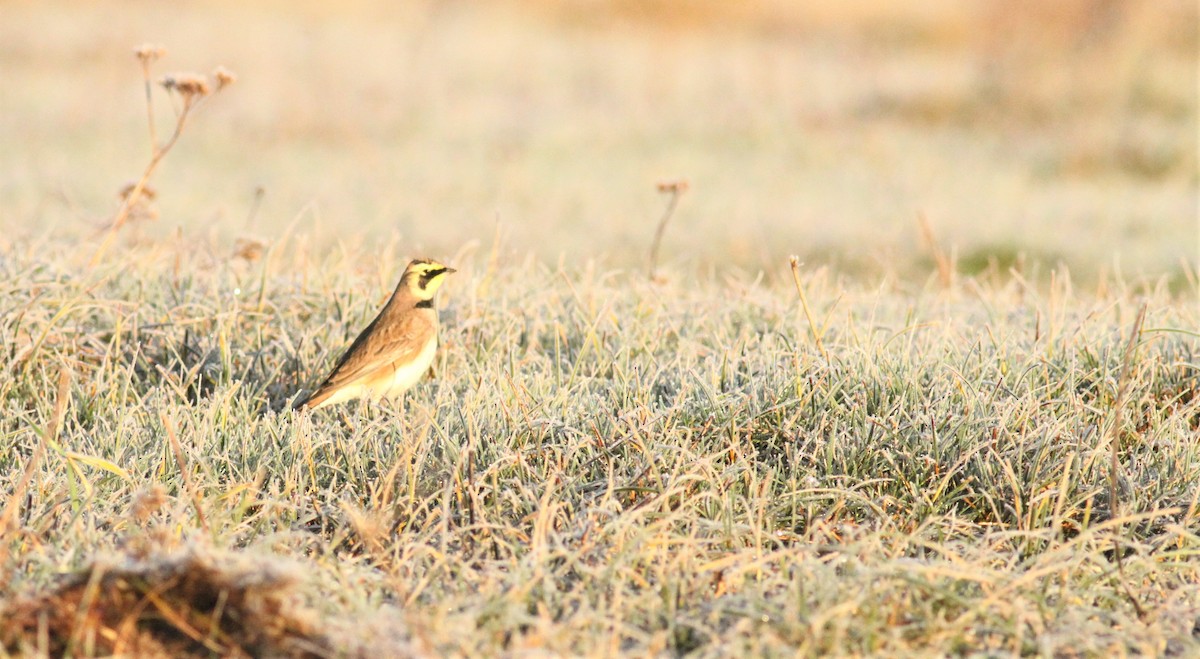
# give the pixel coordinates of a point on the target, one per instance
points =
(977, 435)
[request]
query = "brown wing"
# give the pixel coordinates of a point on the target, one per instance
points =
(388, 339)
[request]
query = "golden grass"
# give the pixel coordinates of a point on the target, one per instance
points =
(606, 464)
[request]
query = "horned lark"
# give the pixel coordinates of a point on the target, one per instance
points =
(396, 349)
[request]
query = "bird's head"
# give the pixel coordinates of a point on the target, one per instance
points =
(422, 278)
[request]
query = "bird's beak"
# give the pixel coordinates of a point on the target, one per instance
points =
(449, 271)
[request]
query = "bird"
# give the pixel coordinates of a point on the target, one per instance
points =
(395, 350)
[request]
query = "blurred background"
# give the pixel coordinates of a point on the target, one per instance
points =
(1023, 130)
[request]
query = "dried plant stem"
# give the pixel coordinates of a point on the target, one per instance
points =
(1114, 449)
(149, 104)
(139, 188)
(675, 189)
(177, 449)
(192, 89)
(945, 270)
(812, 323)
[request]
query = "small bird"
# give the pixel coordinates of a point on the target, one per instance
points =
(396, 349)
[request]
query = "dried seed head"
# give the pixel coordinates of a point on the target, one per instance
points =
(148, 192)
(193, 85)
(187, 84)
(224, 77)
(679, 186)
(248, 249)
(148, 52)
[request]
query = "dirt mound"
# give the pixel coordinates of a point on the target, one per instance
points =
(188, 602)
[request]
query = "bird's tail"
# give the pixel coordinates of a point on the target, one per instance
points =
(313, 401)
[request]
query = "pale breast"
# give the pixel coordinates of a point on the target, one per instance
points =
(406, 375)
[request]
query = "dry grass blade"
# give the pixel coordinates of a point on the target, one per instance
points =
(177, 449)
(945, 269)
(812, 323)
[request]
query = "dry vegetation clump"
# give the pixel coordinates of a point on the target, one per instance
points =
(190, 601)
